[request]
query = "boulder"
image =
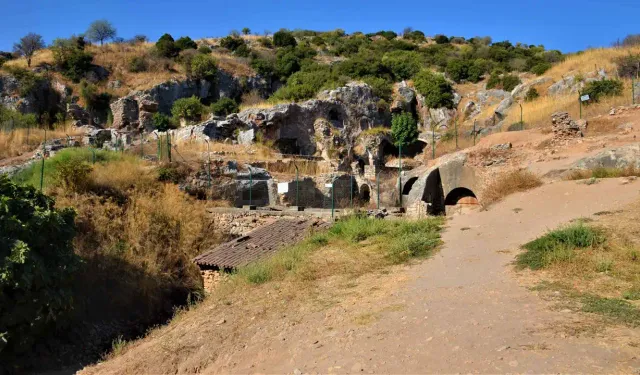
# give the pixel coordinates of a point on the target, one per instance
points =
(521, 90)
(125, 112)
(503, 107)
(442, 117)
(619, 157)
(470, 110)
(404, 100)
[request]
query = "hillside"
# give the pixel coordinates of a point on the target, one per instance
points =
(154, 152)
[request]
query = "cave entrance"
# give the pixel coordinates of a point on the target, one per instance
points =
(461, 195)
(388, 148)
(409, 185)
(433, 194)
(288, 146)
(365, 193)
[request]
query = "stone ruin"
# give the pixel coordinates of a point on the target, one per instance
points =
(564, 127)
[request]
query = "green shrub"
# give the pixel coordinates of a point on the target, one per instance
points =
(628, 66)
(318, 41)
(224, 107)
(306, 84)
(174, 173)
(71, 60)
(263, 67)
(435, 89)
(402, 64)
(232, 43)
(477, 69)
(416, 36)
(36, 268)
(137, 64)
(389, 35)
(541, 68)
(381, 87)
(189, 109)
(205, 50)
(532, 94)
(204, 67)
(441, 39)
(166, 46)
(509, 82)
(162, 122)
(606, 87)
(494, 81)
(559, 245)
(516, 126)
(457, 70)
(17, 119)
(404, 129)
(185, 43)
(265, 42)
(284, 38)
(287, 63)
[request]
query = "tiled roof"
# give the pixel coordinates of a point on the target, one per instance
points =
(259, 243)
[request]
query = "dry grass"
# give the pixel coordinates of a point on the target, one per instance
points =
(509, 183)
(603, 173)
(194, 151)
(20, 141)
(291, 286)
(262, 104)
(589, 60)
(237, 66)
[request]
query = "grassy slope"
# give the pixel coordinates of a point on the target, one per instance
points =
(296, 279)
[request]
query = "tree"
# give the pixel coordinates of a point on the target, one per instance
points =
(404, 129)
(166, 46)
(186, 42)
(37, 264)
(284, 38)
(403, 64)
(434, 87)
(224, 107)
(246, 30)
(28, 45)
(100, 30)
(441, 39)
(204, 67)
(189, 109)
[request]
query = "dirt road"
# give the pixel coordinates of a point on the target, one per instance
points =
(464, 310)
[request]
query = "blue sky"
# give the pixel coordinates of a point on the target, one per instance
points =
(568, 25)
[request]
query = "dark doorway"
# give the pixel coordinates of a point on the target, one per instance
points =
(433, 194)
(458, 195)
(365, 193)
(407, 187)
(288, 146)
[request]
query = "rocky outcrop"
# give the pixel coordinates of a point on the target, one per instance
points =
(78, 115)
(404, 100)
(349, 110)
(572, 84)
(520, 91)
(503, 107)
(215, 128)
(41, 98)
(620, 157)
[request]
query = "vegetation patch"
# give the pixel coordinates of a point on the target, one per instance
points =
(602, 172)
(509, 183)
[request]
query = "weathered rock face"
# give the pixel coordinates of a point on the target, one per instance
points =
(42, 98)
(78, 114)
(373, 145)
(521, 90)
(503, 107)
(571, 84)
(349, 110)
(405, 100)
(125, 113)
(215, 128)
(620, 157)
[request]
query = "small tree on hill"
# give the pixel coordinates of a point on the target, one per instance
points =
(246, 30)
(186, 42)
(188, 109)
(404, 129)
(434, 87)
(284, 38)
(166, 46)
(28, 45)
(100, 30)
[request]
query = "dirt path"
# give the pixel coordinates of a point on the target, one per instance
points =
(464, 310)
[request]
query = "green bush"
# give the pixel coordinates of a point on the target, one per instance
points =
(306, 84)
(477, 69)
(284, 38)
(224, 107)
(509, 82)
(532, 94)
(17, 119)
(205, 50)
(71, 60)
(189, 109)
(606, 87)
(381, 87)
(137, 64)
(162, 122)
(435, 89)
(389, 35)
(36, 268)
(541, 68)
(458, 70)
(494, 81)
(404, 129)
(265, 42)
(204, 67)
(232, 43)
(318, 41)
(441, 39)
(185, 43)
(628, 66)
(559, 245)
(263, 67)
(403, 64)
(166, 46)
(416, 36)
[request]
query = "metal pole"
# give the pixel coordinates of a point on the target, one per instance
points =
(351, 188)
(378, 187)
(159, 148)
(141, 145)
(169, 146)
(521, 122)
(580, 101)
(400, 173)
(333, 206)
(456, 130)
(28, 132)
(433, 144)
(250, 187)
(297, 185)
(474, 132)
(208, 165)
(633, 91)
(44, 150)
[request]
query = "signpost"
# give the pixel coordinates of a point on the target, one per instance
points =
(583, 98)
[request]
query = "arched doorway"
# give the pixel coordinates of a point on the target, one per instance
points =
(461, 195)
(433, 194)
(409, 185)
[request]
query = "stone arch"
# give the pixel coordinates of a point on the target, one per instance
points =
(433, 194)
(365, 193)
(409, 185)
(460, 195)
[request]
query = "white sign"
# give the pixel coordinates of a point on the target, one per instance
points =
(283, 187)
(328, 185)
(584, 98)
